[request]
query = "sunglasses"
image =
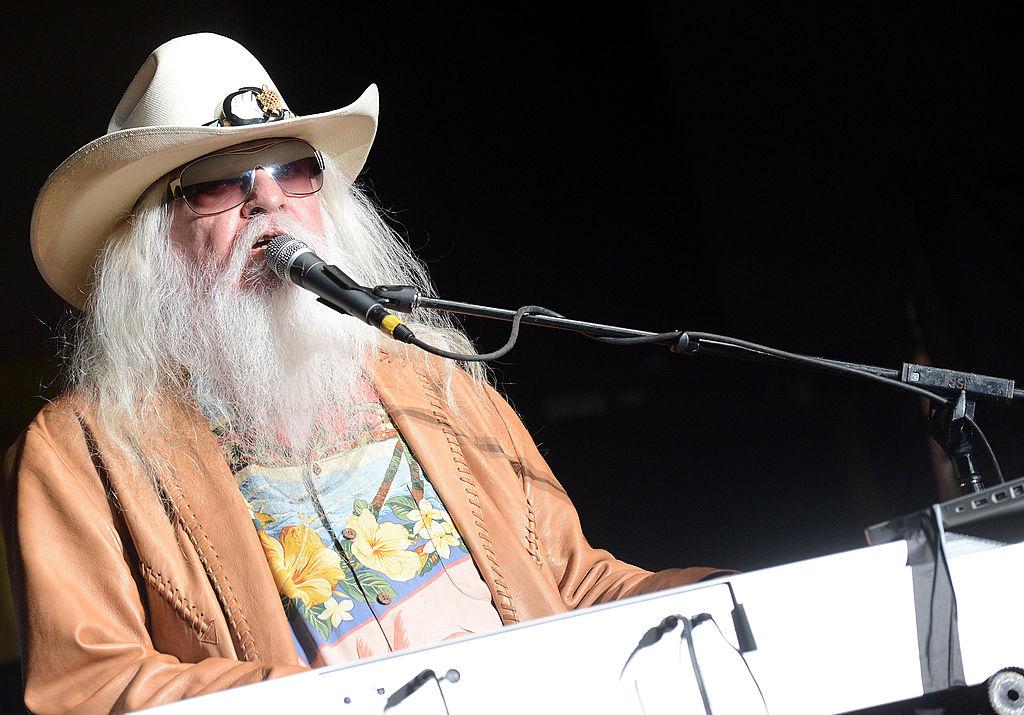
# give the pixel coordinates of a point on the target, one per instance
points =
(220, 182)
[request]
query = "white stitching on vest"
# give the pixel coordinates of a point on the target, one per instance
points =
(506, 603)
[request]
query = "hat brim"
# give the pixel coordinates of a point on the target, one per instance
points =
(94, 190)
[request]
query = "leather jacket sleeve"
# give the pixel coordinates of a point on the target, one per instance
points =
(85, 644)
(585, 576)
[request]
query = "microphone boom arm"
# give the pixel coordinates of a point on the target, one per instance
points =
(952, 393)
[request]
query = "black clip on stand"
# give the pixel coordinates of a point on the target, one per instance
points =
(949, 428)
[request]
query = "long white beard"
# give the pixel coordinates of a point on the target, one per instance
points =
(259, 357)
(282, 372)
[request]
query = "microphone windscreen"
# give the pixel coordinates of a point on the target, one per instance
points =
(279, 254)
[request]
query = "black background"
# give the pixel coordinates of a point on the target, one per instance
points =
(839, 181)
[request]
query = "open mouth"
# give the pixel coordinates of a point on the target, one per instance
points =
(263, 241)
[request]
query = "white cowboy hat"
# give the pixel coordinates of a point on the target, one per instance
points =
(194, 95)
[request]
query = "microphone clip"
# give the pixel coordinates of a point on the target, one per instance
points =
(404, 299)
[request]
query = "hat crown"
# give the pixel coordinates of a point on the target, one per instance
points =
(185, 81)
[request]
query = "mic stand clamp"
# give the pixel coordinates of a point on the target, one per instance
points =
(949, 428)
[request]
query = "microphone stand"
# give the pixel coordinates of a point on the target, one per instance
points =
(951, 422)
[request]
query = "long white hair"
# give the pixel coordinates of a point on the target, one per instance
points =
(270, 365)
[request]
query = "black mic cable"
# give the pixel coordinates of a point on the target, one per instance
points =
(292, 260)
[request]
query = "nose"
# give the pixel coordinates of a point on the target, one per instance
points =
(266, 196)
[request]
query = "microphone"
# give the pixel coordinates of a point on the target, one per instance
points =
(292, 260)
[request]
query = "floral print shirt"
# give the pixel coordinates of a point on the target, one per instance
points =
(363, 551)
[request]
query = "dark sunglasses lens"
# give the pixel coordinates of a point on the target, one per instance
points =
(223, 181)
(210, 197)
(300, 177)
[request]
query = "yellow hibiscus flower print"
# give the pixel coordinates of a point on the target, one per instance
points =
(383, 547)
(303, 567)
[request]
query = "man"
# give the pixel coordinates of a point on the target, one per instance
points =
(240, 483)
